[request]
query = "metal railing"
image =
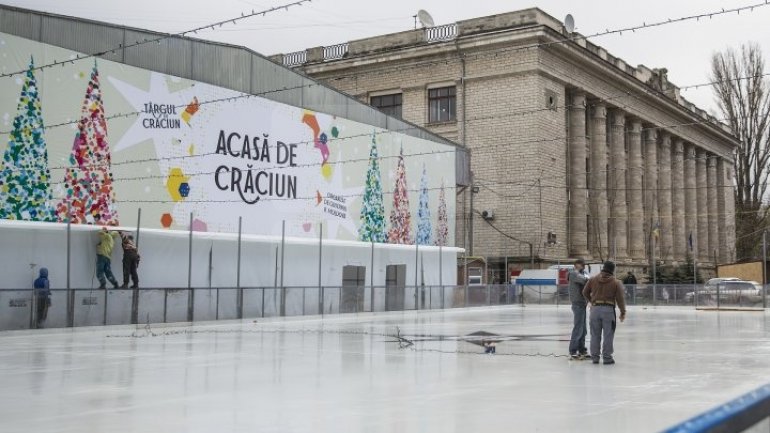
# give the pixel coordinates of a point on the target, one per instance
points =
(699, 296)
(90, 307)
(333, 52)
(441, 33)
(295, 58)
(445, 32)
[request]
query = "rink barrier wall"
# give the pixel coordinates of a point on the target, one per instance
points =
(94, 307)
(749, 413)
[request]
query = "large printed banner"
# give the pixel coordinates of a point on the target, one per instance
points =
(93, 142)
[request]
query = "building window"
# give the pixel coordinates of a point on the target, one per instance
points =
(474, 277)
(442, 104)
(388, 104)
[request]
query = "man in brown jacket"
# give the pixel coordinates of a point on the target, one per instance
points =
(604, 292)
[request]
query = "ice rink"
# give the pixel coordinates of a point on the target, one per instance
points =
(347, 374)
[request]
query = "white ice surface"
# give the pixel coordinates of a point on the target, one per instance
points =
(672, 364)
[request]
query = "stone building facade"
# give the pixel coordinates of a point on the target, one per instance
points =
(574, 153)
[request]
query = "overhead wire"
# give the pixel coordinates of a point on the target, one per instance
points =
(475, 149)
(571, 39)
(158, 39)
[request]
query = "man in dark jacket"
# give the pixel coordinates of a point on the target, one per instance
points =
(577, 280)
(42, 296)
(130, 260)
(630, 279)
(604, 292)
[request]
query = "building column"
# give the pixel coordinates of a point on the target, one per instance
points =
(578, 209)
(730, 210)
(721, 192)
(690, 200)
(664, 199)
(702, 197)
(712, 206)
(678, 224)
(635, 196)
(617, 188)
(597, 192)
(651, 218)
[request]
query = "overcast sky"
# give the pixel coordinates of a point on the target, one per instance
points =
(684, 48)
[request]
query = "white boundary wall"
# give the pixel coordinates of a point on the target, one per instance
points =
(164, 261)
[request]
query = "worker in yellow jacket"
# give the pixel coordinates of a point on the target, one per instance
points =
(104, 258)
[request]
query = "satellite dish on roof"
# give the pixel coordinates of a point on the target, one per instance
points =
(569, 23)
(425, 19)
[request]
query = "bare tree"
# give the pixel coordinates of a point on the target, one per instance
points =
(742, 95)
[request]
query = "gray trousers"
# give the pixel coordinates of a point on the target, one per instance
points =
(602, 324)
(577, 342)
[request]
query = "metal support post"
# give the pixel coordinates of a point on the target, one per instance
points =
(190, 292)
(719, 301)
(654, 273)
(320, 264)
(135, 290)
(764, 269)
(441, 272)
(416, 272)
(283, 256)
(371, 281)
(138, 226)
(238, 271)
(70, 296)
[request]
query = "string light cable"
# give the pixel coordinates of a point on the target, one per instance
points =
(159, 39)
(474, 149)
(571, 39)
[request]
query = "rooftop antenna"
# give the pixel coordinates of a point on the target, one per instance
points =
(424, 17)
(569, 23)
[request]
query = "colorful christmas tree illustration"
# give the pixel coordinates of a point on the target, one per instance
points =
(25, 188)
(89, 197)
(372, 209)
(442, 228)
(424, 229)
(400, 218)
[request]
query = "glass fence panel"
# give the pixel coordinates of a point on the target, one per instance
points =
(252, 302)
(93, 307)
(227, 304)
(205, 304)
(89, 307)
(15, 309)
(152, 306)
(272, 302)
(331, 300)
(57, 311)
(294, 300)
(119, 306)
(312, 301)
(176, 302)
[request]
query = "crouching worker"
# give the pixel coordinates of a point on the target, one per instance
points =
(604, 292)
(42, 296)
(130, 260)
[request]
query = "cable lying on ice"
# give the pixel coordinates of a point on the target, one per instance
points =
(414, 344)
